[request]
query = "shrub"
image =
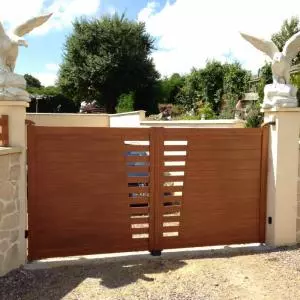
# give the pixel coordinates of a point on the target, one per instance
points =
(125, 103)
(254, 117)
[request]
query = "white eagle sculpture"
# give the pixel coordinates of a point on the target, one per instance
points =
(281, 93)
(12, 86)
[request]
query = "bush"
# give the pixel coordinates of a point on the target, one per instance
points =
(228, 109)
(125, 103)
(254, 117)
(206, 110)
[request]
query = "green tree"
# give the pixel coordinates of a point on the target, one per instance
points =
(170, 88)
(210, 84)
(125, 103)
(287, 30)
(106, 58)
(191, 91)
(236, 79)
(212, 80)
(265, 77)
(32, 82)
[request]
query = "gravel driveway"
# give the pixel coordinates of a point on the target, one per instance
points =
(252, 273)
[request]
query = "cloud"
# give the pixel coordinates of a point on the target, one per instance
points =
(46, 78)
(52, 67)
(190, 32)
(148, 11)
(14, 12)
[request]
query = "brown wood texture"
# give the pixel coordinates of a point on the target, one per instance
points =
(4, 134)
(78, 200)
(224, 178)
(87, 195)
(263, 182)
(156, 153)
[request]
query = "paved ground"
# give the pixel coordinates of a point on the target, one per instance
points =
(223, 274)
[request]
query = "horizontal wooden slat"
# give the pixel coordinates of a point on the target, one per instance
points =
(171, 229)
(138, 189)
(137, 158)
(172, 189)
(138, 179)
(136, 148)
(138, 199)
(227, 144)
(175, 147)
(194, 166)
(171, 219)
(173, 168)
(171, 209)
(129, 134)
(139, 230)
(144, 220)
(220, 155)
(138, 169)
(175, 158)
(182, 134)
(172, 178)
(139, 210)
(172, 198)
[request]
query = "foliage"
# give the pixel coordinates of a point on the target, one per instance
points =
(108, 57)
(211, 83)
(170, 88)
(212, 80)
(265, 77)
(32, 82)
(207, 111)
(191, 91)
(125, 103)
(48, 90)
(288, 29)
(52, 104)
(178, 110)
(236, 79)
(189, 117)
(254, 117)
(228, 109)
(50, 100)
(295, 79)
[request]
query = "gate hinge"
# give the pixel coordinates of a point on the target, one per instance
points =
(26, 234)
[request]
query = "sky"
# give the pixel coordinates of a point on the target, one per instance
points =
(187, 32)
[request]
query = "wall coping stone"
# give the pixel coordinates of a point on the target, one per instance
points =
(10, 150)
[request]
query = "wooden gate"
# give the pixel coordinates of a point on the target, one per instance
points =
(101, 190)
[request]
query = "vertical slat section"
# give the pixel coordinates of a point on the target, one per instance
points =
(263, 182)
(156, 151)
(4, 130)
(31, 184)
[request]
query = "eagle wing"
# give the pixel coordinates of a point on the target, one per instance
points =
(268, 47)
(31, 24)
(292, 46)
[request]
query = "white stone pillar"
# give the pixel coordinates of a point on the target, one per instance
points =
(16, 111)
(282, 175)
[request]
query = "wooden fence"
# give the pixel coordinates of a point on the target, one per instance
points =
(4, 136)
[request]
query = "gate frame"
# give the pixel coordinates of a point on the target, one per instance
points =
(156, 149)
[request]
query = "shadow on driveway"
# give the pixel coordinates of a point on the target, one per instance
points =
(114, 272)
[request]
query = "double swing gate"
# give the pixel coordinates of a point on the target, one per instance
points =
(104, 190)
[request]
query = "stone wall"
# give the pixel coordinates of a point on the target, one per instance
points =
(9, 210)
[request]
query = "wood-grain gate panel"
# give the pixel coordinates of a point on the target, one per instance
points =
(213, 192)
(80, 199)
(102, 190)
